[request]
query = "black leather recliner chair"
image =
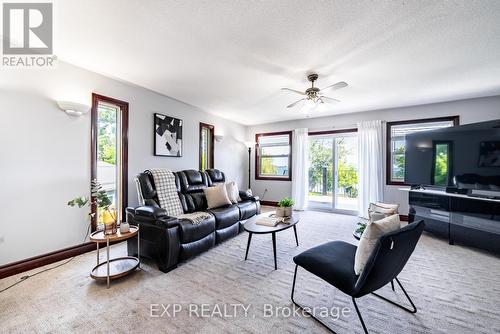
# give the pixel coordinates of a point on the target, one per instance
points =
(169, 240)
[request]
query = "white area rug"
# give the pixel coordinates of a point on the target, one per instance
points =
(456, 290)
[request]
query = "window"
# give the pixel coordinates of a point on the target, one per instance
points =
(206, 146)
(396, 136)
(109, 153)
(273, 157)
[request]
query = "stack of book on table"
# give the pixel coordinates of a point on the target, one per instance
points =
(269, 221)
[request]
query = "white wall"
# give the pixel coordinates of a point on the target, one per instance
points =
(470, 111)
(45, 154)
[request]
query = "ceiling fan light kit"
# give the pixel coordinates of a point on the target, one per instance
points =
(313, 94)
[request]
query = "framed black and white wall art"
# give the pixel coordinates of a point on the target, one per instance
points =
(167, 136)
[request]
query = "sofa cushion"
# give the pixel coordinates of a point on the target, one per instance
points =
(225, 216)
(215, 176)
(194, 248)
(195, 202)
(226, 233)
(190, 232)
(192, 181)
(247, 209)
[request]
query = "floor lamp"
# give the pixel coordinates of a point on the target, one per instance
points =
(249, 145)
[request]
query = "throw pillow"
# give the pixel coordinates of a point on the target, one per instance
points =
(374, 216)
(388, 209)
(232, 192)
(216, 196)
(373, 232)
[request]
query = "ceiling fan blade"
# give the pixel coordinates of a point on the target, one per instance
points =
(294, 91)
(296, 102)
(328, 99)
(338, 85)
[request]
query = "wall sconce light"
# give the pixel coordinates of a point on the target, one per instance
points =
(73, 108)
(219, 138)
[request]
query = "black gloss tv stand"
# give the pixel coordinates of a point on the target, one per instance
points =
(466, 220)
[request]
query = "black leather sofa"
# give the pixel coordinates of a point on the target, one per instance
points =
(169, 240)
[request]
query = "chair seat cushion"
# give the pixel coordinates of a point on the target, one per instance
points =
(192, 232)
(247, 208)
(225, 216)
(333, 262)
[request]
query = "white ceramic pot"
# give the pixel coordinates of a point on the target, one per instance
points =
(280, 212)
(124, 227)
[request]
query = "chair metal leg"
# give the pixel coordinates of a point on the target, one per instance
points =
(414, 310)
(392, 285)
(354, 302)
(248, 245)
(274, 251)
(295, 231)
(359, 315)
(304, 309)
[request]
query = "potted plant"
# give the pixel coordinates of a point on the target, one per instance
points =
(285, 207)
(360, 229)
(100, 199)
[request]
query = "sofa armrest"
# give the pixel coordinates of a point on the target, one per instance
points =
(159, 236)
(150, 212)
(152, 215)
(244, 197)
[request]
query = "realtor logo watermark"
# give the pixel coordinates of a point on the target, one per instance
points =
(27, 35)
(244, 311)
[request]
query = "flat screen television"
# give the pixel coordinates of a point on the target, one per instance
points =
(464, 157)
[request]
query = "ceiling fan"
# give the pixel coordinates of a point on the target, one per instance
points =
(314, 94)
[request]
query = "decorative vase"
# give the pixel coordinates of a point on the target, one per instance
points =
(124, 227)
(110, 228)
(288, 211)
(280, 211)
(109, 221)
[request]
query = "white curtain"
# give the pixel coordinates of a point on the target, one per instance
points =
(300, 168)
(370, 160)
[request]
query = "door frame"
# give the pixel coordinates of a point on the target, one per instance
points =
(333, 134)
(124, 125)
(211, 140)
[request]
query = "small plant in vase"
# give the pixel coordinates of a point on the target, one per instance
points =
(361, 228)
(102, 202)
(285, 207)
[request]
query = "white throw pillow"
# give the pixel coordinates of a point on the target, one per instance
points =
(375, 216)
(216, 196)
(369, 238)
(385, 208)
(232, 192)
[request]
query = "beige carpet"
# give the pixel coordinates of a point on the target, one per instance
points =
(456, 290)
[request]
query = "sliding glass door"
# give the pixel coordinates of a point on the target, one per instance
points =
(333, 172)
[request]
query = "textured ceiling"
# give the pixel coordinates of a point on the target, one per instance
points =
(231, 58)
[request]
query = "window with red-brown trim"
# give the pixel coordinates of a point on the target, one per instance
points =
(273, 156)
